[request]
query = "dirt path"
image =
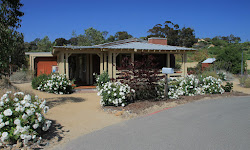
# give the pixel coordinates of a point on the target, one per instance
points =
(75, 114)
(237, 87)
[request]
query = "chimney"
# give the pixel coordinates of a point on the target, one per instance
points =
(158, 40)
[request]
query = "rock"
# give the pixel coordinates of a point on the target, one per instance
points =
(119, 113)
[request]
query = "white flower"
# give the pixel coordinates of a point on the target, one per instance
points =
(1, 103)
(4, 136)
(29, 112)
(24, 116)
(27, 97)
(2, 125)
(35, 126)
(17, 122)
(7, 123)
(123, 104)
(7, 112)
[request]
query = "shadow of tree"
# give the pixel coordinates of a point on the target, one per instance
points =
(51, 102)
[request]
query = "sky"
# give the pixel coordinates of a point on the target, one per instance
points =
(58, 18)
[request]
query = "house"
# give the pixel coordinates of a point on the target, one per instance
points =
(80, 62)
(207, 63)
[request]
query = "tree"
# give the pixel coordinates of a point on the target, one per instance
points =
(11, 41)
(176, 37)
(186, 37)
(90, 37)
(168, 30)
(229, 58)
(122, 35)
(44, 45)
(224, 40)
(61, 42)
(111, 38)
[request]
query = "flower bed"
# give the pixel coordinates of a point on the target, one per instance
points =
(57, 84)
(21, 118)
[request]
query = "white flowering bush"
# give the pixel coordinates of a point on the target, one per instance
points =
(212, 85)
(21, 118)
(102, 79)
(191, 85)
(57, 84)
(114, 94)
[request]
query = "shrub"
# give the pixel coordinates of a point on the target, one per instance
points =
(247, 83)
(57, 84)
(228, 87)
(229, 59)
(37, 81)
(21, 118)
(191, 85)
(212, 85)
(186, 86)
(115, 94)
(222, 76)
(102, 79)
(141, 76)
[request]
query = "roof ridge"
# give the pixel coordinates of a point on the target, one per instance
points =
(120, 42)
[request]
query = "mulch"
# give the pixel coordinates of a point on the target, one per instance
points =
(138, 106)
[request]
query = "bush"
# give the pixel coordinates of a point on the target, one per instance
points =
(102, 79)
(37, 81)
(228, 87)
(229, 59)
(212, 85)
(57, 84)
(247, 83)
(222, 76)
(191, 85)
(185, 86)
(141, 76)
(115, 94)
(21, 118)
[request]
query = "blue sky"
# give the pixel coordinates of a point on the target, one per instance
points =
(58, 18)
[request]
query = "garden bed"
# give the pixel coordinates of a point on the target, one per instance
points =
(139, 107)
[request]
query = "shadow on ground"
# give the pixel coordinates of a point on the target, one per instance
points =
(51, 102)
(54, 135)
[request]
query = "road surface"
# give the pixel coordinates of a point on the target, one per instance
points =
(220, 124)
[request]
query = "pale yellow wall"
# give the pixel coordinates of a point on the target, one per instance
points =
(248, 64)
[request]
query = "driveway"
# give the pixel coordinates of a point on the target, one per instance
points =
(221, 124)
(73, 115)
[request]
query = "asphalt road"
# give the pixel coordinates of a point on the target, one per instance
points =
(221, 124)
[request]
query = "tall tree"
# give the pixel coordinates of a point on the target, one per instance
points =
(11, 41)
(91, 36)
(120, 35)
(186, 37)
(175, 36)
(168, 30)
(44, 45)
(61, 42)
